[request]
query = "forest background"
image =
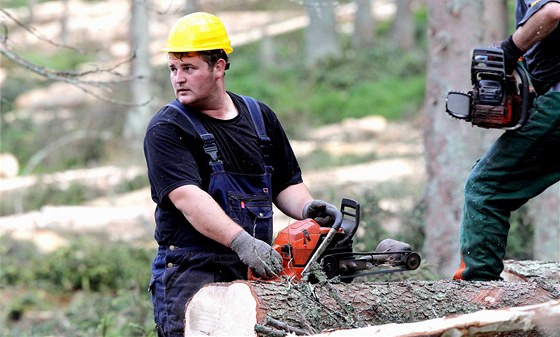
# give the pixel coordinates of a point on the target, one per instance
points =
(359, 86)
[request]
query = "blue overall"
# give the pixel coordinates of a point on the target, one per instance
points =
(179, 272)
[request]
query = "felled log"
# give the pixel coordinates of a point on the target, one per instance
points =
(238, 308)
(540, 319)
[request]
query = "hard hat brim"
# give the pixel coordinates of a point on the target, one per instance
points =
(183, 50)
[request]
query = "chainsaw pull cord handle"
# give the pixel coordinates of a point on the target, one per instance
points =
(332, 231)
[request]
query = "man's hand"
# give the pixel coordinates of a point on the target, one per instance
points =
(320, 211)
(511, 54)
(257, 255)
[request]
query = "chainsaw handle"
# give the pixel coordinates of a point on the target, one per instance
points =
(525, 99)
(338, 217)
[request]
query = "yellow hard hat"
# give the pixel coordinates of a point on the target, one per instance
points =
(196, 32)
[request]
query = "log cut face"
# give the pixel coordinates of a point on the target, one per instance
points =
(219, 310)
(226, 309)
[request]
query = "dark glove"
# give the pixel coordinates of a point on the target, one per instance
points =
(320, 211)
(390, 245)
(257, 255)
(511, 54)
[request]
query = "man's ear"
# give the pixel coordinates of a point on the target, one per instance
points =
(220, 67)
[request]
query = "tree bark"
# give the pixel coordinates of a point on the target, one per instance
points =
(496, 20)
(139, 116)
(235, 308)
(533, 320)
(544, 211)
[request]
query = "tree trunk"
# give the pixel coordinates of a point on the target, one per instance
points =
(139, 116)
(192, 6)
(496, 20)
(363, 24)
(64, 22)
(235, 308)
(321, 35)
(402, 30)
(451, 146)
(544, 211)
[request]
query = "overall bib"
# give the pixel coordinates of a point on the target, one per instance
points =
(179, 272)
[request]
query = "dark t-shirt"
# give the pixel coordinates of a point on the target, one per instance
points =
(175, 157)
(543, 59)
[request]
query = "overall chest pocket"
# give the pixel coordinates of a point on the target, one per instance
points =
(253, 212)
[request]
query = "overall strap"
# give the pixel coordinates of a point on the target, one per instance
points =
(208, 140)
(256, 117)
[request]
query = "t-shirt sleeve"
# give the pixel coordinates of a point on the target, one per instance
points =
(525, 9)
(170, 159)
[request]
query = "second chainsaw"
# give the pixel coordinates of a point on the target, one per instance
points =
(498, 100)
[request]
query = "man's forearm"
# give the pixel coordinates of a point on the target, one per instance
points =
(205, 214)
(540, 25)
(292, 199)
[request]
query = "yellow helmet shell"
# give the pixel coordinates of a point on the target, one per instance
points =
(197, 32)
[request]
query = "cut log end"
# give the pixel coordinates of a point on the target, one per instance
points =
(222, 309)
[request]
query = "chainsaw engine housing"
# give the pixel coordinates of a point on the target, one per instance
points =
(299, 241)
(497, 100)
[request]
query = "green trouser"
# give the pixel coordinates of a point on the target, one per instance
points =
(520, 165)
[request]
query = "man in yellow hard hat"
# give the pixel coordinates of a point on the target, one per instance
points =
(216, 163)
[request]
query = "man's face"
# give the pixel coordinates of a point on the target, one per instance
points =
(192, 80)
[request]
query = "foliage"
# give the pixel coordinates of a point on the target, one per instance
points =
(17, 135)
(16, 3)
(521, 234)
(99, 287)
(335, 89)
(12, 87)
(87, 263)
(302, 98)
(22, 3)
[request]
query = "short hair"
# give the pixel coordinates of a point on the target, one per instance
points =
(208, 56)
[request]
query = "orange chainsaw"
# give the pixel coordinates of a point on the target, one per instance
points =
(305, 243)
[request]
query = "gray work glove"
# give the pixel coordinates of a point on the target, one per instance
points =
(257, 255)
(320, 211)
(390, 245)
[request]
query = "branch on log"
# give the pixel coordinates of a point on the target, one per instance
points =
(236, 308)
